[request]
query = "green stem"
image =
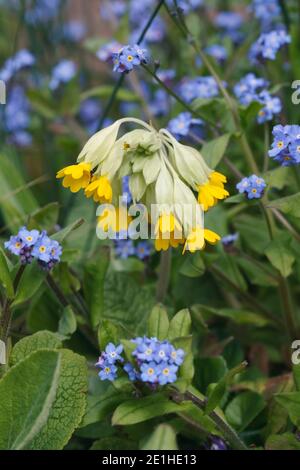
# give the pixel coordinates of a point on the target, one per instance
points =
(180, 23)
(250, 299)
(228, 432)
(7, 313)
(164, 275)
(175, 96)
(284, 291)
(267, 147)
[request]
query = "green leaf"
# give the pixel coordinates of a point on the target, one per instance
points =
(114, 443)
(126, 303)
(63, 234)
(219, 391)
(209, 370)
(42, 103)
(29, 344)
(243, 409)
(5, 276)
(286, 441)
(99, 407)
(44, 218)
(214, 150)
(291, 402)
(288, 205)
(42, 400)
(296, 375)
(193, 266)
(108, 332)
(180, 324)
(104, 91)
(94, 277)
(30, 283)
(139, 410)
(238, 315)
(162, 438)
(158, 323)
(67, 323)
(280, 257)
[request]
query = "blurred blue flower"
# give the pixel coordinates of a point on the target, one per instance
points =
(248, 88)
(124, 248)
(181, 125)
(229, 239)
(143, 250)
(16, 117)
(199, 87)
(74, 31)
(155, 33)
(126, 193)
(228, 20)
(112, 9)
(266, 11)
(41, 11)
(159, 105)
(217, 444)
(253, 187)
(267, 46)
(62, 73)
(186, 5)
(14, 64)
(106, 52)
(166, 75)
(129, 57)
(218, 52)
(272, 106)
(89, 114)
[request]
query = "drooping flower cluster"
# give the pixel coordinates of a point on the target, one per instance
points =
(154, 362)
(267, 46)
(253, 187)
(129, 57)
(162, 173)
(286, 145)
(32, 244)
(199, 87)
(250, 89)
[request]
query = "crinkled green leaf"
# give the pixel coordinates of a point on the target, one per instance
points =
(29, 344)
(42, 400)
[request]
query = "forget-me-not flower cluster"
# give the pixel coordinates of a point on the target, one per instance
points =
(286, 145)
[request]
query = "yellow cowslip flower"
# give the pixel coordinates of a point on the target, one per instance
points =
(212, 191)
(100, 188)
(197, 238)
(115, 219)
(168, 232)
(75, 177)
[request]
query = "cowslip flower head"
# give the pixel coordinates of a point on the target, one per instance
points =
(160, 172)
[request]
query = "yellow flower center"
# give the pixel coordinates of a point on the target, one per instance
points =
(17, 245)
(150, 371)
(129, 58)
(254, 190)
(29, 239)
(166, 371)
(280, 144)
(107, 370)
(42, 249)
(148, 352)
